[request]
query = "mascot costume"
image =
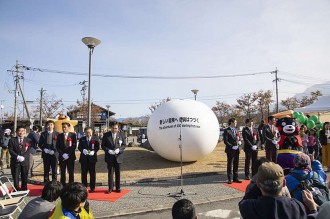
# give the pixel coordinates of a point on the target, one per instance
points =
(289, 131)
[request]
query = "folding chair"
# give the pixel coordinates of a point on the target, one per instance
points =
(12, 201)
(6, 192)
(8, 212)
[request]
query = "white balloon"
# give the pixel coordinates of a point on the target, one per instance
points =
(199, 130)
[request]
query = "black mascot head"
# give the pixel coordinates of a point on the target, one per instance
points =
(287, 126)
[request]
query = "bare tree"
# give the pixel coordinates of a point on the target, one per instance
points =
(307, 100)
(293, 102)
(141, 121)
(221, 110)
(156, 105)
(290, 103)
(247, 103)
(51, 106)
(264, 99)
(80, 111)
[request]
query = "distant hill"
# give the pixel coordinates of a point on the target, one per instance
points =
(134, 118)
(324, 88)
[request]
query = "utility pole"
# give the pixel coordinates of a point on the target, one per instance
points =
(17, 77)
(276, 80)
(24, 102)
(40, 114)
(1, 109)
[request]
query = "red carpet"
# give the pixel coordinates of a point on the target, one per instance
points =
(98, 195)
(239, 186)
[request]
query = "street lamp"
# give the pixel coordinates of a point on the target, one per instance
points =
(108, 118)
(195, 91)
(91, 43)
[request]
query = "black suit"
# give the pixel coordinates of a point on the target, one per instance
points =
(19, 168)
(271, 150)
(88, 162)
(230, 140)
(50, 161)
(113, 161)
(249, 141)
(63, 147)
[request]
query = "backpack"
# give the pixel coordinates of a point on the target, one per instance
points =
(319, 191)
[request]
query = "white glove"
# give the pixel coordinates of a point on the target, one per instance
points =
(277, 146)
(254, 147)
(51, 152)
(91, 153)
(234, 147)
(117, 151)
(274, 141)
(85, 152)
(65, 156)
(120, 142)
(46, 151)
(111, 152)
(20, 158)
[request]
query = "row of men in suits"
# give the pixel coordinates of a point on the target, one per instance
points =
(233, 141)
(59, 148)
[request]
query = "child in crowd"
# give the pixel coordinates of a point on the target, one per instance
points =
(312, 140)
(304, 137)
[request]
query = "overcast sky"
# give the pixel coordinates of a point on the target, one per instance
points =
(164, 38)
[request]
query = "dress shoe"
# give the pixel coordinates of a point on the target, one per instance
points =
(92, 190)
(109, 191)
(229, 181)
(118, 190)
(237, 181)
(247, 178)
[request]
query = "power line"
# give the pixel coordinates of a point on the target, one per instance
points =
(143, 76)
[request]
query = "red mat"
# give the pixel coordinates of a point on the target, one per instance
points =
(239, 186)
(98, 195)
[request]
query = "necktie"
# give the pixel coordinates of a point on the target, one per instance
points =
(49, 138)
(114, 138)
(21, 143)
(66, 139)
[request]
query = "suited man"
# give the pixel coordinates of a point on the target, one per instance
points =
(66, 145)
(34, 136)
(19, 149)
(232, 150)
(271, 138)
(47, 144)
(88, 146)
(250, 147)
(113, 144)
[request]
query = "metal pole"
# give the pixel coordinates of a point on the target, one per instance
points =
(41, 100)
(16, 97)
(1, 108)
(276, 80)
(89, 88)
(24, 102)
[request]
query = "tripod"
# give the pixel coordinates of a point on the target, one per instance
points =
(182, 192)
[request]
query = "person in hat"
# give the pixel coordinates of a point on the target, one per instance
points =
(66, 146)
(271, 180)
(4, 141)
(302, 169)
